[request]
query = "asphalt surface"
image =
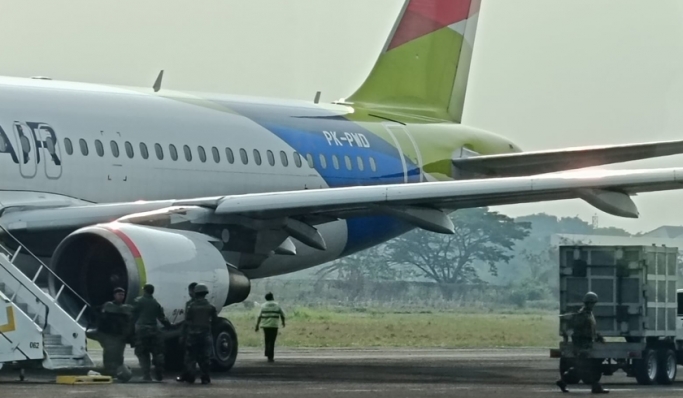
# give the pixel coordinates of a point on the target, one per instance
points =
(355, 373)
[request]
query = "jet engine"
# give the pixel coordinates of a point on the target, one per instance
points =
(96, 259)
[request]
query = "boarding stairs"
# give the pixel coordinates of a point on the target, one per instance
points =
(34, 329)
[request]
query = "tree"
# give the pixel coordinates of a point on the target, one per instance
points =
(369, 265)
(449, 260)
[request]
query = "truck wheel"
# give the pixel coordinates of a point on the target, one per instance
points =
(573, 376)
(666, 366)
(645, 368)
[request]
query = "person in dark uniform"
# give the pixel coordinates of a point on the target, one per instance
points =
(584, 326)
(148, 340)
(114, 329)
(268, 320)
(190, 291)
(199, 319)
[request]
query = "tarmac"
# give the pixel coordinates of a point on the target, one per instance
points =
(354, 373)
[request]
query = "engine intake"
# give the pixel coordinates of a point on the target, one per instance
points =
(94, 260)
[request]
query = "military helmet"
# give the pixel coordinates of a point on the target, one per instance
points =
(201, 288)
(119, 290)
(590, 297)
(123, 373)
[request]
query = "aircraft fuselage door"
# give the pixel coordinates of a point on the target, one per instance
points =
(411, 158)
(25, 144)
(52, 153)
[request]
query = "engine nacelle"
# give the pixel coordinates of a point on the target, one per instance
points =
(94, 260)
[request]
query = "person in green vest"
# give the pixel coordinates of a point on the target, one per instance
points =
(268, 320)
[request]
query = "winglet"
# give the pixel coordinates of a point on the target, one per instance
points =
(157, 83)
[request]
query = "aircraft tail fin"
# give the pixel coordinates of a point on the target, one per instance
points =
(424, 66)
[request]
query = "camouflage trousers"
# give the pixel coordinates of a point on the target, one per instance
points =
(148, 341)
(113, 348)
(198, 349)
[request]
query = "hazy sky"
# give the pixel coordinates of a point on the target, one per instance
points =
(546, 73)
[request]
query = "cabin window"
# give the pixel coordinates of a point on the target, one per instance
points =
(361, 165)
(99, 148)
(160, 151)
(229, 155)
(373, 165)
(143, 150)
(216, 154)
(202, 153)
(257, 157)
(309, 158)
(243, 155)
(67, 144)
(347, 160)
(323, 161)
(188, 153)
(335, 162)
(174, 152)
(114, 148)
(284, 159)
(297, 159)
(129, 150)
(271, 157)
(84, 147)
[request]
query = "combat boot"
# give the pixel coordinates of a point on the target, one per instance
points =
(598, 389)
(563, 386)
(206, 380)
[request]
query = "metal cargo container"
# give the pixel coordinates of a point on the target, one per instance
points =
(636, 286)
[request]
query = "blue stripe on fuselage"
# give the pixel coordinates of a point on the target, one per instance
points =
(304, 130)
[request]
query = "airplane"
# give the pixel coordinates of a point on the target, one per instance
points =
(119, 186)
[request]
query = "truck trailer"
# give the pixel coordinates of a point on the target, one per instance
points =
(639, 312)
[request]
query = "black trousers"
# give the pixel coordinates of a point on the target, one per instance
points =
(269, 336)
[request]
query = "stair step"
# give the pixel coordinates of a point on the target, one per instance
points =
(52, 339)
(22, 306)
(58, 350)
(67, 363)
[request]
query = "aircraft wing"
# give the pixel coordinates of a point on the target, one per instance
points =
(297, 212)
(540, 162)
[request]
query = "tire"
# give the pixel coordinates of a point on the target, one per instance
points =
(645, 369)
(225, 346)
(573, 376)
(174, 356)
(666, 366)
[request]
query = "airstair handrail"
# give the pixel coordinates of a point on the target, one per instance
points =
(87, 305)
(38, 299)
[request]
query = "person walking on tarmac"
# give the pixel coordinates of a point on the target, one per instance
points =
(268, 319)
(148, 340)
(201, 316)
(190, 291)
(114, 329)
(584, 335)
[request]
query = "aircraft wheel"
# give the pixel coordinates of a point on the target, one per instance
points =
(224, 345)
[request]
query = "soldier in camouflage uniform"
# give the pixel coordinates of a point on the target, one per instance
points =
(190, 291)
(201, 316)
(148, 340)
(114, 329)
(584, 335)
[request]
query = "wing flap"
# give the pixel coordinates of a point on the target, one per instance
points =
(540, 162)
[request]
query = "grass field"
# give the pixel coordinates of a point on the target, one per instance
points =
(329, 328)
(347, 328)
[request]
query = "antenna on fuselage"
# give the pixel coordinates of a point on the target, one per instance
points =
(317, 97)
(157, 83)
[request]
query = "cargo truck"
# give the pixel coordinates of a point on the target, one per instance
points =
(639, 313)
